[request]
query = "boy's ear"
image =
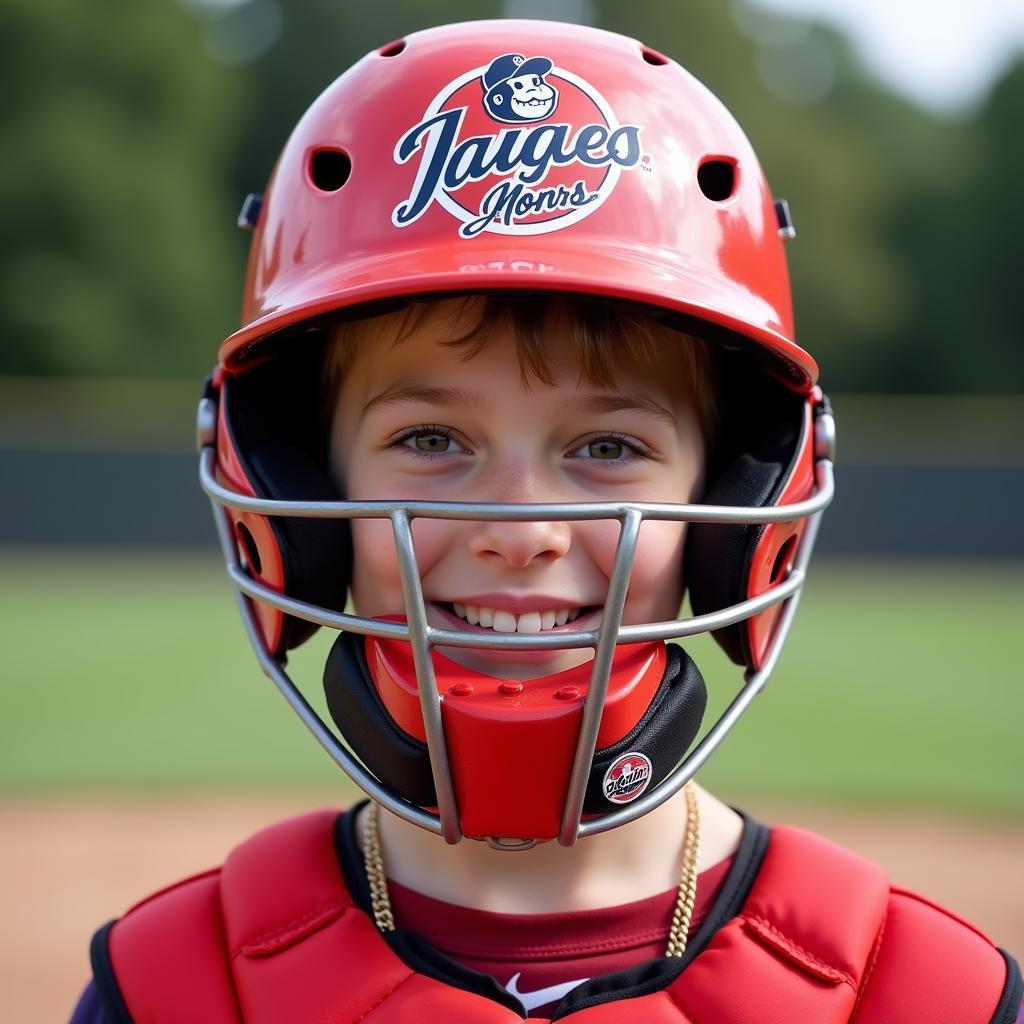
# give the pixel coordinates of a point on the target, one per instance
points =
(273, 432)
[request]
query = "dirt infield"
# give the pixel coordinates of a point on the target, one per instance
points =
(70, 865)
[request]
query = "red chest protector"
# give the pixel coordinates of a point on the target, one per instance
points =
(274, 937)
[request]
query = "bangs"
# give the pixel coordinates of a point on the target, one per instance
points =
(604, 337)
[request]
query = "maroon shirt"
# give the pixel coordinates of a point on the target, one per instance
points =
(540, 957)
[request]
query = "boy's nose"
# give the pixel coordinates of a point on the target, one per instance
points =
(520, 544)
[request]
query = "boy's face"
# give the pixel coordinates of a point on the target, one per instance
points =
(420, 421)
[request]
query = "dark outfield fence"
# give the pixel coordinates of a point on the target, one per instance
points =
(111, 463)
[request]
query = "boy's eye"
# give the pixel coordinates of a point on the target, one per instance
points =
(432, 442)
(610, 448)
(605, 449)
(428, 441)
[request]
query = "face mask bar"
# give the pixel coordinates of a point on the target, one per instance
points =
(609, 633)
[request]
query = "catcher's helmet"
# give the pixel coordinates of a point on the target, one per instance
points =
(624, 178)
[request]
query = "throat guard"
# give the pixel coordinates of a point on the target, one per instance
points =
(511, 743)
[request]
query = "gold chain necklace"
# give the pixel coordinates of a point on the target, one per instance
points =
(681, 915)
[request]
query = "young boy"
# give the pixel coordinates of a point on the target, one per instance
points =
(517, 370)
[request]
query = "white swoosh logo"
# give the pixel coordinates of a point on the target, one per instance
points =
(531, 1000)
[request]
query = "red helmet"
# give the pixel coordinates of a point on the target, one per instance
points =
(504, 156)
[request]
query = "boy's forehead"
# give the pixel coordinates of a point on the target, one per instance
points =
(428, 370)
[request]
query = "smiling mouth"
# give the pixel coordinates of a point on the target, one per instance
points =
(502, 621)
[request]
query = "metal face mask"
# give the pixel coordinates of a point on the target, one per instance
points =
(513, 156)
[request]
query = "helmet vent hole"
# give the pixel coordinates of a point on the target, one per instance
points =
(784, 560)
(717, 179)
(392, 49)
(329, 169)
(653, 57)
(250, 552)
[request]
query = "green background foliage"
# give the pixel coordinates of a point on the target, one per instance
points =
(133, 131)
(118, 139)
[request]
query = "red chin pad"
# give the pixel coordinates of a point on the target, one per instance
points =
(511, 742)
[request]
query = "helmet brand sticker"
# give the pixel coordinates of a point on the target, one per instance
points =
(519, 147)
(627, 778)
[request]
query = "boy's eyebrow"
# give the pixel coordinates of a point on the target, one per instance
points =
(621, 402)
(402, 391)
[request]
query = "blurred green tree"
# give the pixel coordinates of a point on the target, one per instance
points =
(962, 234)
(118, 130)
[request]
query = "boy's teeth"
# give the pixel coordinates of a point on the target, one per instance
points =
(529, 622)
(506, 622)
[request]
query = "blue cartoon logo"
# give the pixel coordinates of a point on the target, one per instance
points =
(516, 89)
(528, 174)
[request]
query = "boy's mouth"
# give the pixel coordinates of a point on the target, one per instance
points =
(503, 621)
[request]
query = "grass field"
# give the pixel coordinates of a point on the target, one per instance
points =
(900, 684)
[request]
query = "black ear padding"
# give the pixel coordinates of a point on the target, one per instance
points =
(396, 758)
(280, 433)
(761, 426)
(401, 762)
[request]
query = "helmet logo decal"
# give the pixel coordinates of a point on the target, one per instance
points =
(516, 89)
(627, 777)
(550, 172)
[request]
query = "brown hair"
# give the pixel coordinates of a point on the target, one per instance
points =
(602, 335)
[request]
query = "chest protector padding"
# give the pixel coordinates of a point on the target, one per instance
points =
(276, 937)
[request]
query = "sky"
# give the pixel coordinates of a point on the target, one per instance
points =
(945, 54)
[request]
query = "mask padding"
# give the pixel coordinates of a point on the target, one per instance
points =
(665, 731)
(757, 445)
(399, 760)
(280, 436)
